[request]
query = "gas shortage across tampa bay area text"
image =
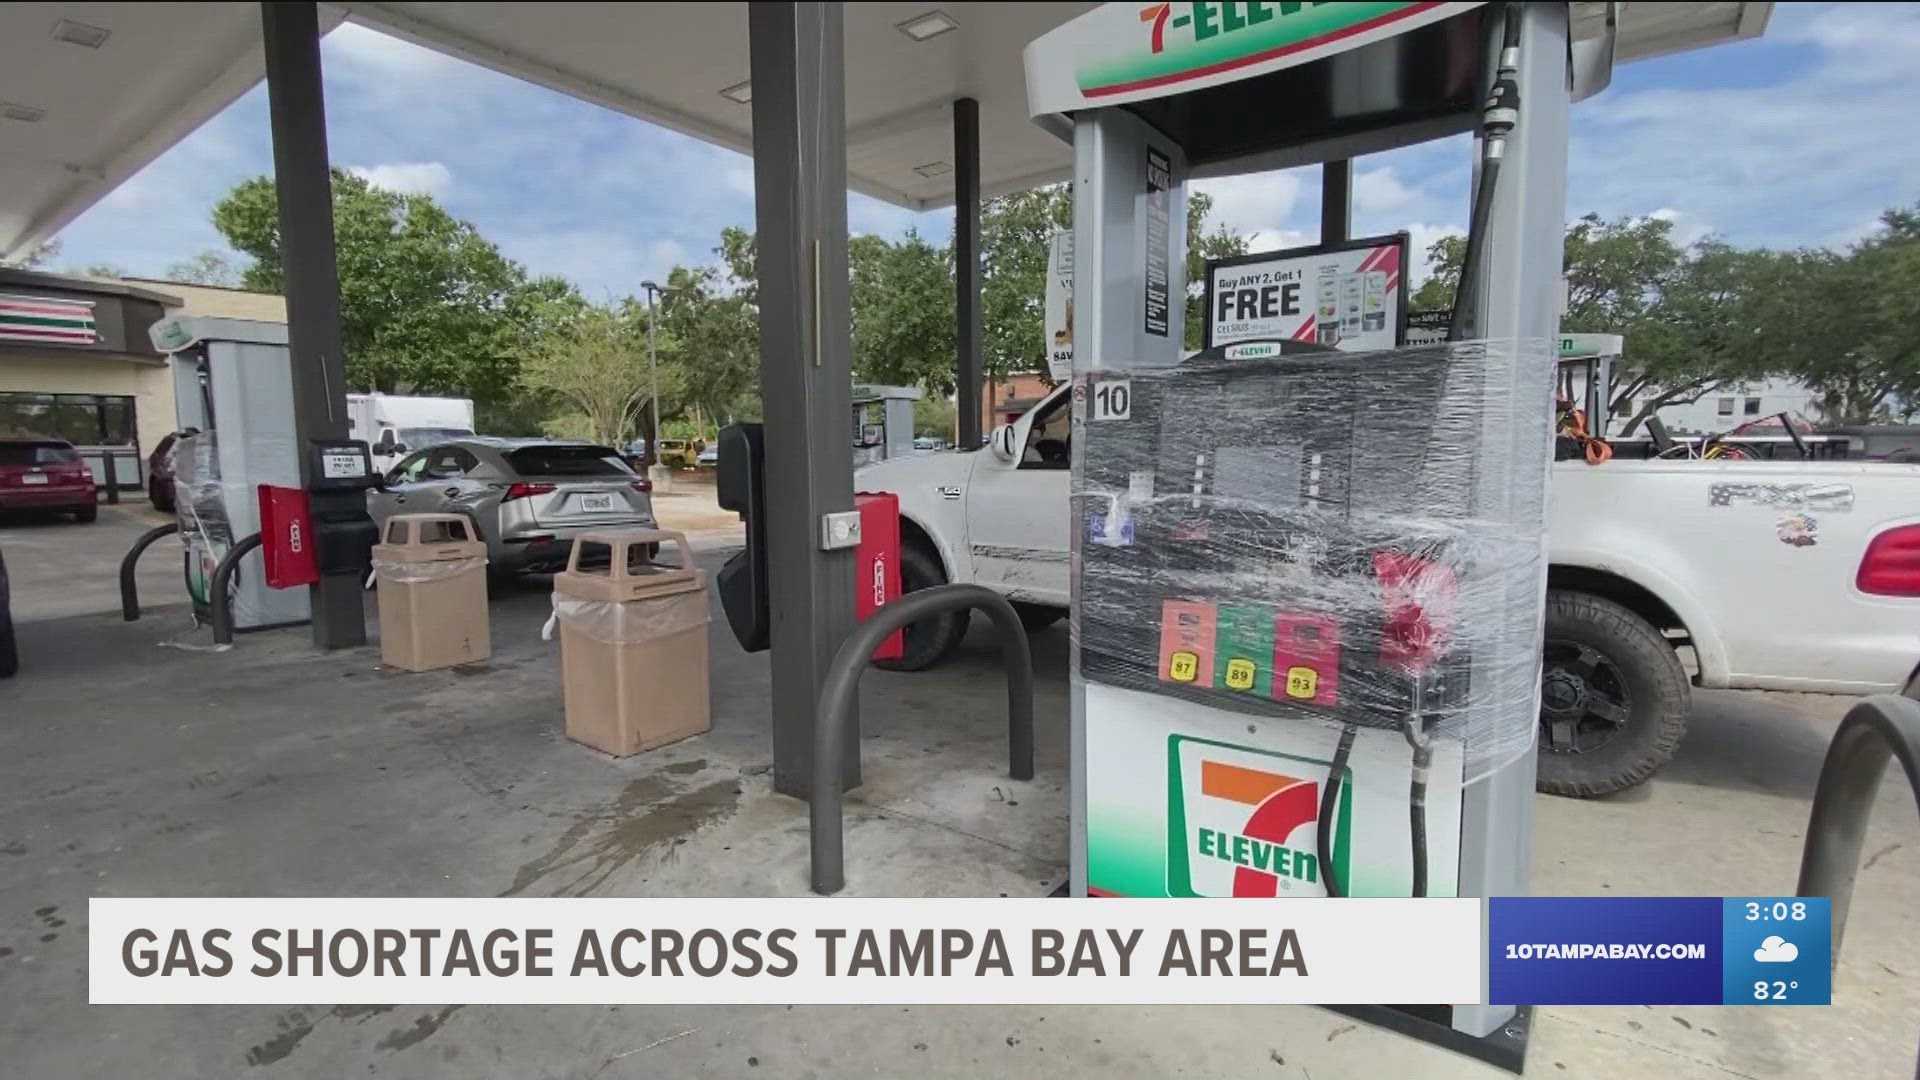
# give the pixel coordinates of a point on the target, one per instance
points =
(851, 951)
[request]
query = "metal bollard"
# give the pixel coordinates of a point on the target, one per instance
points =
(217, 589)
(129, 588)
(842, 687)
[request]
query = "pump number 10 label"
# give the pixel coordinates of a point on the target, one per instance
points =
(1112, 399)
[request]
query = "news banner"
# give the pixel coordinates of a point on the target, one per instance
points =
(1502, 951)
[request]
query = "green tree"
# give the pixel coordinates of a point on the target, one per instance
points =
(427, 304)
(206, 268)
(1444, 258)
(1203, 244)
(1016, 234)
(711, 336)
(901, 295)
(594, 361)
(934, 415)
(1682, 312)
(1856, 337)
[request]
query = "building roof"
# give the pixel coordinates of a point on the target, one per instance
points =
(39, 279)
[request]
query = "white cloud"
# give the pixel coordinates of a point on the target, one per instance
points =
(1258, 204)
(410, 177)
(1790, 148)
(1776, 950)
(1687, 229)
(740, 180)
(1379, 191)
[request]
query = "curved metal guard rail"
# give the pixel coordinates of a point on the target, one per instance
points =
(842, 687)
(1876, 729)
(130, 589)
(217, 590)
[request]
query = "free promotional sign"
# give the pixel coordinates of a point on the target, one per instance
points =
(1350, 296)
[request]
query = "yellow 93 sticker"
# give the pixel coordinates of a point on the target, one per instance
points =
(1240, 674)
(1302, 682)
(1183, 667)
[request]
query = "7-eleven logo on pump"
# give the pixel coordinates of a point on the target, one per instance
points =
(1245, 822)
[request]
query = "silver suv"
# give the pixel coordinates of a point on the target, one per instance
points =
(528, 498)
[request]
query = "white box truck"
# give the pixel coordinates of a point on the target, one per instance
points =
(394, 425)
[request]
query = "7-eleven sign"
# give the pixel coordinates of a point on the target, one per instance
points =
(1244, 822)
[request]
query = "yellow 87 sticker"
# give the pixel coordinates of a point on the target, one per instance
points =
(1183, 667)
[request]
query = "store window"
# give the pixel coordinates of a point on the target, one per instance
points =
(1752, 406)
(81, 419)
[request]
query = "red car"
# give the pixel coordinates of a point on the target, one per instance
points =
(45, 474)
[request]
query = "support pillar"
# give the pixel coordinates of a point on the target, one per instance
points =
(800, 209)
(966, 267)
(1336, 201)
(296, 107)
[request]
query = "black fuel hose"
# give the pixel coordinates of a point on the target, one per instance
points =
(1329, 802)
(1417, 816)
(1501, 114)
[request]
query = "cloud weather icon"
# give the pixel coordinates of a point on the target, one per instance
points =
(1777, 950)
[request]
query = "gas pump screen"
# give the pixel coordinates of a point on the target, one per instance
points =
(1350, 296)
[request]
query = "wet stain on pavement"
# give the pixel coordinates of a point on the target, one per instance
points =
(648, 814)
(294, 1026)
(422, 1029)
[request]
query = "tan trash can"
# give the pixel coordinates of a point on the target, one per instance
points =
(633, 642)
(432, 577)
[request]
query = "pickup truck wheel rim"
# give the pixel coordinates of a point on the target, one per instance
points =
(1584, 698)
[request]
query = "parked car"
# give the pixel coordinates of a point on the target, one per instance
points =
(527, 498)
(676, 453)
(45, 474)
(709, 457)
(9, 653)
(160, 471)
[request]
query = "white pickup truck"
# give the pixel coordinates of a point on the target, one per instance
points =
(1771, 575)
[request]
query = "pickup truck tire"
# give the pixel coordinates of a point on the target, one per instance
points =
(929, 641)
(1614, 699)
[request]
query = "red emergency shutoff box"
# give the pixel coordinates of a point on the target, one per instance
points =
(877, 564)
(286, 538)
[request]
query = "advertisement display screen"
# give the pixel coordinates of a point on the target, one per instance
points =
(1351, 296)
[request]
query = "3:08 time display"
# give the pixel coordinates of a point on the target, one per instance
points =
(1777, 911)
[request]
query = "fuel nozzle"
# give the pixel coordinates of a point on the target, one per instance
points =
(1502, 109)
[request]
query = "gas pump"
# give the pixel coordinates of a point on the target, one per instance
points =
(1308, 585)
(232, 386)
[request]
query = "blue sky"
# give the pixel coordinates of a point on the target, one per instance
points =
(1800, 138)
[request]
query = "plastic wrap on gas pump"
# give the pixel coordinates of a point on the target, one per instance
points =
(1354, 540)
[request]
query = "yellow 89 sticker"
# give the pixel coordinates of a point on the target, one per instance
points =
(1240, 674)
(1184, 667)
(1302, 682)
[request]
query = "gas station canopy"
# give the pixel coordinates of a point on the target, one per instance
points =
(90, 93)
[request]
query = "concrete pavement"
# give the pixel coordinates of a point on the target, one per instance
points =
(127, 769)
